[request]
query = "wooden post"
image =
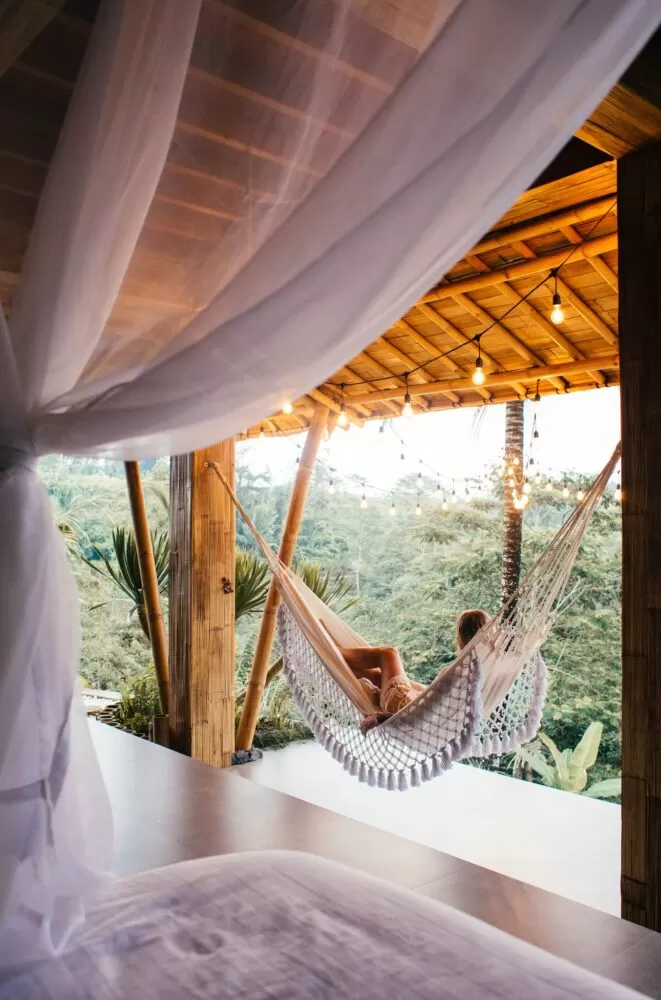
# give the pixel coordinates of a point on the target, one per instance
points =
(202, 530)
(255, 686)
(159, 642)
(639, 215)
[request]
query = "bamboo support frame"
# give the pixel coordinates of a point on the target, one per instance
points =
(159, 642)
(583, 366)
(255, 686)
(549, 224)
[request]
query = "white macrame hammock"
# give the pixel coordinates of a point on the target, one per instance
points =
(489, 701)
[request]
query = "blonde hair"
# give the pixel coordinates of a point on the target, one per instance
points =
(469, 624)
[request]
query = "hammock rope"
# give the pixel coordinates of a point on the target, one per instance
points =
(488, 701)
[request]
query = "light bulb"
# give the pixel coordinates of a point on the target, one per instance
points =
(549, 486)
(438, 487)
(407, 409)
(618, 493)
(392, 509)
(363, 502)
(261, 431)
(510, 470)
(331, 487)
(287, 406)
(526, 487)
(418, 510)
(524, 501)
(453, 498)
(515, 461)
(402, 456)
(382, 428)
(444, 505)
(478, 374)
(538, 480)
(342, 417)
(499, 472)
(557, 312)
(565, 491)
(580, 495)
(511, 483)
(419, 477)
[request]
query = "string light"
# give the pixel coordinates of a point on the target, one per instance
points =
(453, 497)
(618, 493)
(538, 480)
(515, 460)
(342, 419)
(511, 483)
(418, 508)
(407, 409)
(478, 375)
(581, 493)
(565, 491)
(261, 430)
(382, 427)
(549, 486)
(444, 505)
(287, 407)
(557, 312)
(363, 501)
(526, 487)
(392, 508)
(331, 487)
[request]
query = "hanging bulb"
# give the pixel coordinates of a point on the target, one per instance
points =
(526, 487)
(618, 493)
(535, 434)
(261, 430)
(549, 486)
(453, 498)
(580, 495)
(392, 509)
(515, 461)
(511, 483)
(557, 312)
(342, 417)
(444, 505)
(382, 427)
(363, 502)
(531, 461)
(407, 409)
(418, 509)
(438, 486)
(524, 501)
(538, 480)
(565, 491)
(510, 470)
(478, 376)
(287, 406)
(331, 487)
(419, 478)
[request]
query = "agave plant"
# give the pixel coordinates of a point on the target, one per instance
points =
(124, 570)
(568, 769)
(251, 583)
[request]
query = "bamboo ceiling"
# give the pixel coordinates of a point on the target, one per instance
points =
(523, 353)
(200, 204)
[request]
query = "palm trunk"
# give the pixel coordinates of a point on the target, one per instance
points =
(513, 516)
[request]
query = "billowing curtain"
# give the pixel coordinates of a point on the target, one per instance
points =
(243, 195)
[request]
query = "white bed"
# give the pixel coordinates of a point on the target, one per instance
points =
(288, 926)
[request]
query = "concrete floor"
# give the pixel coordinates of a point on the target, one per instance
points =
(567, 844)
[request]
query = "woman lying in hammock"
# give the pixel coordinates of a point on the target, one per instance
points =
(380, 669)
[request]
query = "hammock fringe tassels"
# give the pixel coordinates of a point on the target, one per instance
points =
(488, 702)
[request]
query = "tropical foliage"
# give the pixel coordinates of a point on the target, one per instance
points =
(568, 769)
(413, 575)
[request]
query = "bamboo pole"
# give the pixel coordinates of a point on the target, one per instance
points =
(589, 249)
(549, 224)
(256, 681)
(580, 367)
(159, 643)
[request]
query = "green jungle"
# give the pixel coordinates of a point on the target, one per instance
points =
(398, 580)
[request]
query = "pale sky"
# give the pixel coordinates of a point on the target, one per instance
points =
(577, 432)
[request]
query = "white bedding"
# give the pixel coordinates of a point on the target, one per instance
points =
(290, 926)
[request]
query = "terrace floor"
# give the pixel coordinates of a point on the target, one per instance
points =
(567, 844)
(168, 808)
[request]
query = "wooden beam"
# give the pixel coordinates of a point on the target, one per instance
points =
(549, 224)
(605, 271)
(420, 375)
(202, 530)
(255, 687)
(546, 262)
(624, 121)
(587, 312)
(639, 194)
(149, 579)
(501, 378)
(20, 23)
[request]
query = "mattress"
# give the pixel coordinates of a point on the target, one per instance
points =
(287, 926)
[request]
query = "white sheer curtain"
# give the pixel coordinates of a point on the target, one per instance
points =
(243, 196)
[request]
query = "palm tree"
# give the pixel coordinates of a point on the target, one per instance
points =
(513, 515)
(251, 580)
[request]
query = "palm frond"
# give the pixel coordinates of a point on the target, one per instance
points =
(330, 586)
(251, 583)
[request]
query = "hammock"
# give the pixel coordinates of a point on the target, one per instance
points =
(489, 701)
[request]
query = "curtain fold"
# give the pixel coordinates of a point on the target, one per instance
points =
(243, 196)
